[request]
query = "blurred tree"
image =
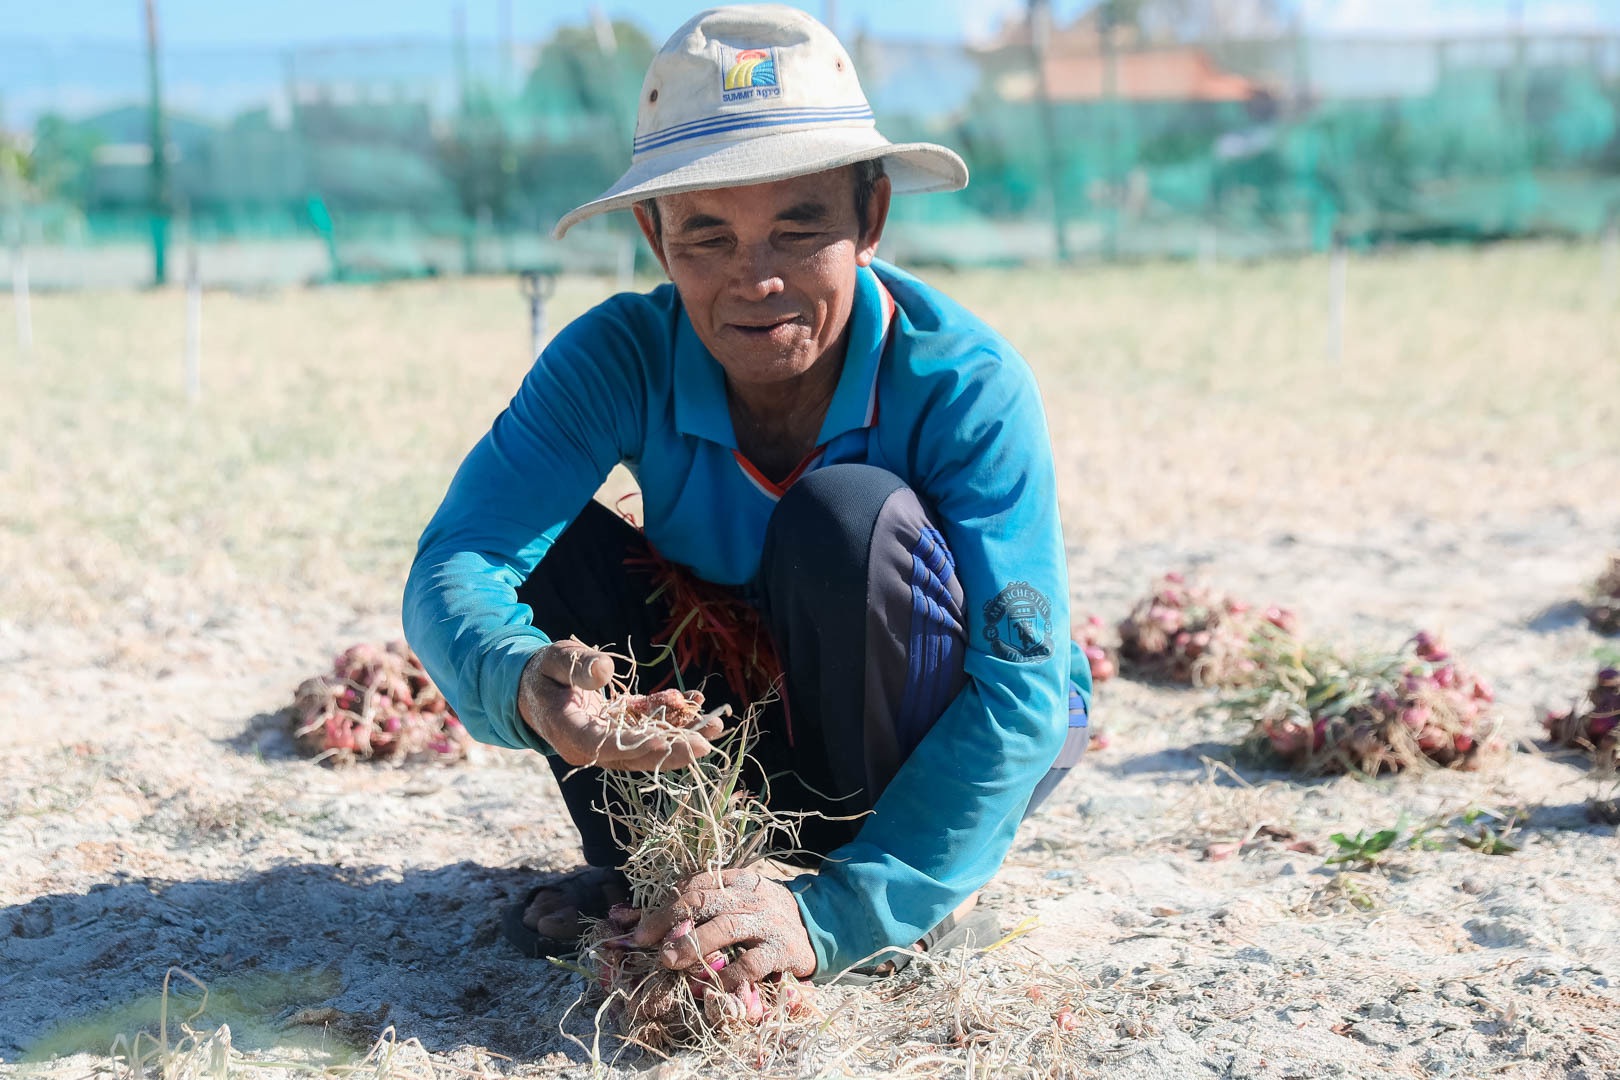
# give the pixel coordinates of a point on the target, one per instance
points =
(592, 70)
(578, 109)
(479, 158)
(16, 162)
(16, 183)
(63, 159)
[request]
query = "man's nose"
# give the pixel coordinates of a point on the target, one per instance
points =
(758, 272)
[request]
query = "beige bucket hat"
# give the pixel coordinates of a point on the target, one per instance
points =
(753, 93)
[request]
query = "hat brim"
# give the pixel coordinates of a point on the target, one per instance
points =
(912, 168)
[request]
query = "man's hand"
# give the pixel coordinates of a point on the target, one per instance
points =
(560, 697)
(732, 908)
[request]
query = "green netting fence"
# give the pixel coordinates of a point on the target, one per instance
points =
(399, 159)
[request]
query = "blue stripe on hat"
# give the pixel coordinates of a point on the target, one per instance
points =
(775, 119)
(853, 112)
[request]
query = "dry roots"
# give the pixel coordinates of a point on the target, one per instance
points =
(1604, 610)
(1320, 713)
(675, 824)
(665, 1009)
(1594, 722)
(1190, 634)
(377, 704)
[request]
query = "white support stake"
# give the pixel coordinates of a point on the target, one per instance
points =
(1611, 262)
(193, 327)
(1336, 275)
(20, 301)
(1208, 248)
(537, 286)
(627, 264)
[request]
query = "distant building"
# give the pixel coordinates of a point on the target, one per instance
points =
(1173, 73)
(1076, 68)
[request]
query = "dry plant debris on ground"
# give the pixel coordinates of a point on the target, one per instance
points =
(168, 572)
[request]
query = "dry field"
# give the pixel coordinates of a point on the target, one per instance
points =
(169, 572)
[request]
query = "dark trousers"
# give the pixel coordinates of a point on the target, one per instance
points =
(859, 594)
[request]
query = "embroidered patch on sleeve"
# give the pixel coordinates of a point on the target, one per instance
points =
(1018, 624)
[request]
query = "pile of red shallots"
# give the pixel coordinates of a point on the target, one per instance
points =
(378, 704)
(1103, 656)
(1594, 722)
(1320, 713)
(1603, 612)
(1190, 634)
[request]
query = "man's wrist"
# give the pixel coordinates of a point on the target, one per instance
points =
(820, 943)
(530, 714)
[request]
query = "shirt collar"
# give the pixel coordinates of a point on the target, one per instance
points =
(700, 385)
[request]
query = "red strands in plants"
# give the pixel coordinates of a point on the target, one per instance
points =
(710, 626)
(378, 703)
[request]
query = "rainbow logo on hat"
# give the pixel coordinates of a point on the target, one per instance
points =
(750, 74)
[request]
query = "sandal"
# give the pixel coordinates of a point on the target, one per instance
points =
(977, 929)
(592, 901)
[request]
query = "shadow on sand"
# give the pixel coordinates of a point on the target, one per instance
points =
(315, 957)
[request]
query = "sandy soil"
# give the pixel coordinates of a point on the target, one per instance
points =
(153, 812)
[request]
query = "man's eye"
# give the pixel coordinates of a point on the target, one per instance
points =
(795, 237)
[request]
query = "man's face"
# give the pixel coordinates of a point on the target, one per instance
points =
(767, 272)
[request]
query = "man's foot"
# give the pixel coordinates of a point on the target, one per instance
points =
(550, 919)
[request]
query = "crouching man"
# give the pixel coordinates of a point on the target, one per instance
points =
(825, 443)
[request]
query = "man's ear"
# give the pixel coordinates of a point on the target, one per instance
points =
(877, 215)
(650, 231)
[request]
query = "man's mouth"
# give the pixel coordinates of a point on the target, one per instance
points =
(765, 328)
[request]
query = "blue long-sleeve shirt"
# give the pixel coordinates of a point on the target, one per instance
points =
(928, 392)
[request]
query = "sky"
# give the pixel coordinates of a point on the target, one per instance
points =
(79, 57)
(262, 23)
